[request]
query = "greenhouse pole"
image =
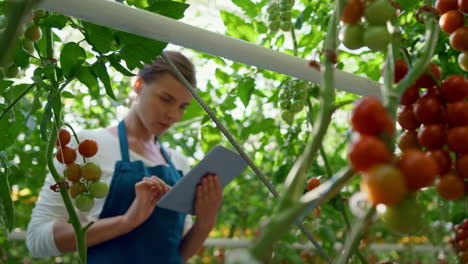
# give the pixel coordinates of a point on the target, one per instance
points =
(144, 23)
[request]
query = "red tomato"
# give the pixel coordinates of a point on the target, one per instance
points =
(367, 151)
(370, 117)
(463, 5)
(454, 88)
(418, 169)
(432, 136)
(442, 158)
(462, 166)
(410, 96)
(66, 155)
(406, 118)
(426, 80)
(63, 138)
(443, 6)
(457, 113)
(428, 109)
(408, 140)
(450, 186)
(451, 20)
(459, 39)
(457, 139)
(353, 11)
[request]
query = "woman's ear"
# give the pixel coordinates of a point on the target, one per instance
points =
(138, 85)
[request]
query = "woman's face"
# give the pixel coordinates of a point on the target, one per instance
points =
(161, 103)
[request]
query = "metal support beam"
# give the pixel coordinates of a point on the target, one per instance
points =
(141, 22)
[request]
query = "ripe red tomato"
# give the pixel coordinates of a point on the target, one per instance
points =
(426, 80)
(384, 184)
(312, 183)
(462, 166)
(454, 88)
(451, 20)
(463, 5)
(457, 139)
(450, 186)
(459, 39)
(353, 11)
(401, 69)
(410, 96)
(66, 155)
(432, 136)
(63, 138)
(88, 148)
(367, 151)
(408, 140)
(406, 118)
(370, 117)
(418, 169)
(428, 109)
(442, 158)
(443, 6)
(457, 113)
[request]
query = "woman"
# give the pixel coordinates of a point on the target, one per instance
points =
(128, 228)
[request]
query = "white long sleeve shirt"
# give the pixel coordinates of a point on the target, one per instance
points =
(50, 206)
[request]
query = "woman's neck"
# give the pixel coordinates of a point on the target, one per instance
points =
(136, 130)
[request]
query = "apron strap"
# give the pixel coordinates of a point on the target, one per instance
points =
(123, 141)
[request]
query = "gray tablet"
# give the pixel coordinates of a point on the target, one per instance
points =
(225, 163)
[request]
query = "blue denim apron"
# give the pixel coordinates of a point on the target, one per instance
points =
(156, 241)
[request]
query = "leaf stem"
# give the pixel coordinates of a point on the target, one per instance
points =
(10, 106)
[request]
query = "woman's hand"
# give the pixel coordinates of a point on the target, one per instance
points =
(208, 201)
(148, 192)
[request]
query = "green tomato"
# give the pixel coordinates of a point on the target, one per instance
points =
(405, 218)
(273, 8)
(286, 25)
(285, 6)
(274, 25)
(352, 36)
(39, 13)
(463, 61)
(77, 188)
(91, 171)
(33, 33)
(297, 106)
(98, 189)
(285, 15)
(377, 38)
(28, 45)
(84, 202)
(10, 71)
(288, 116)
(379, 12)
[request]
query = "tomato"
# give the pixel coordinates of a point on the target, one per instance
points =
(367, 151)
(457, 139)
(274, 25)
(286, 25)
(462, 166)
(66, 155)
(28, 45)
(84, 202)
(312, 183)
(459, 39)
(288, 116)
(457, 113)
(91, 171)
(63, 138)
(76, 188)
(428, 109)
(353, 11)
(410, 96)
(451, 20)
(384, 184)
(352, 36)
(33, 33)
(88, 148)
(370, 117)
(408, 140)
(443, 6)
(463, 5)
(407, 217)
(10, 71)
(426, 79)
(463, 245)
(379, 12)
(432, 136)
(406, 118)
(401, 69)
(377, 38)
(72, 172)
(442, 158)
(450, 186)
(98, 189)
(454, 88)
(418, 169)
(463, 61)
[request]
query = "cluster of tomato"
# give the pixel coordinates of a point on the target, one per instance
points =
(292, 98)
(32, 34)
(372, 33)
(279, 15)
(459, 241)
(85, 184)
(437, 123)
(452, 21)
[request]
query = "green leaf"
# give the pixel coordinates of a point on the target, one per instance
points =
(408, 5)
(99, 68)
(304, 16)
(210, 137)
(36, 105)
(138, 3)
(192, 111)
(86, 76)
(5, 84)
(222, 76)
(101, 38)
(236, 27)
(248, 7)
(71, 58)
(54, 21)
(135, 49)
(67, 94)
(245, 89)
(21, 57)
(115, 62)
(7, 215)
(41, 84)
(167, 8)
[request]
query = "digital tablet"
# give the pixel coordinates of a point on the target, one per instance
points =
(225, 163)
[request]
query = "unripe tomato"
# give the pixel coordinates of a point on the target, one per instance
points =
(98, 189)
(384, 184)
(28, 45)
(352, 36)
(377, 38)
(451, 20)
(418, 169)
(353, 11)
(442, 158)
(462, 166)
(63, 138)
(84, 202)
(288, 116)
(91, 171)
(33, 33)
(10, 71)
(408, 140)
(463, 61)
(76, 188)
(286, 25)
(454, 88)
(457, 113)
(367, 151)
(404, 218)
(39, 13)
(72, 172)
(274, 25)
(370, 117)
(459, 39)
(379, 12)
(457, 139)
(442, 6)
(410, 96)
(406, 118)
(66, 155)
(450, 186)
(88, 148)
(432, 136)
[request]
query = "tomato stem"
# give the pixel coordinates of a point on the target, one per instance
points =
(9, 107)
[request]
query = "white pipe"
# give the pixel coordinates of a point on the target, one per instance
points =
(144, 23)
